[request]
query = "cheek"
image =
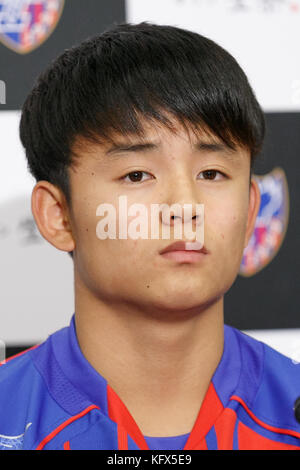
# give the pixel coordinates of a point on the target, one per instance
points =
(224, 237)
(87, 216)
(227, 226)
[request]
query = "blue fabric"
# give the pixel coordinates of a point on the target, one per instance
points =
(211, 439)
(227, 374)
(51, 396)
(167, 443)
(78, 371)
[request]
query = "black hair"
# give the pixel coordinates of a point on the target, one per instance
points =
(106, 84)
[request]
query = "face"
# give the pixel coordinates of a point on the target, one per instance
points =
(163, 167)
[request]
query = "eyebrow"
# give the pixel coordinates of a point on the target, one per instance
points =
(202, 146)
(141, 147)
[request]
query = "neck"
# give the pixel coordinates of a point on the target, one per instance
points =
(160, 366)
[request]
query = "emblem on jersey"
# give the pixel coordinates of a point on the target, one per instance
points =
(13, 442)
(271, 223)
(25, 24)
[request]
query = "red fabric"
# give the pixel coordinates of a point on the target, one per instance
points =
(224, 428)
(122, 438)
(250, 440)
(210, 409)
(67, 445)
(118, 412)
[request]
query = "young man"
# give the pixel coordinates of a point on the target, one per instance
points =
(158, 115)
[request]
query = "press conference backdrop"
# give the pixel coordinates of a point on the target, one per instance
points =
(36, 292)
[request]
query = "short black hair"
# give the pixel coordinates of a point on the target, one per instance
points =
(103, 86)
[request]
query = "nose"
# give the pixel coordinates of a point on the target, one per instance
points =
(182, 202)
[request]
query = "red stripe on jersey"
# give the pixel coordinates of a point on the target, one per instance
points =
(251, 440)
(122, 438)
(224, 428)
(210, 409)
(67, 445)
(19, 354)
(118, 412)
(200, 446)
(265, 425)
(63, 425)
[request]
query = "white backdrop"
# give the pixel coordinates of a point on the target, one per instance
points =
(36, 278)
(263, 35)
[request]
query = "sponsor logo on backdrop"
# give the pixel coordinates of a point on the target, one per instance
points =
(246, 6)
(26, 24)
(271, 223)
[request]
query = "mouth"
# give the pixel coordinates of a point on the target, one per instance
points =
(187, 252)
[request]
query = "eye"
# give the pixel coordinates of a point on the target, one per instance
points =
(212, 174)
(134, 176)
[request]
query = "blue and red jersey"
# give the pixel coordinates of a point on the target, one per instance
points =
(52, 398)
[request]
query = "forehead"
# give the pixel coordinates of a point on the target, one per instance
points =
(153, 136)
(159, 133)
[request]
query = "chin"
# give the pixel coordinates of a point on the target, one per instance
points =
(180, 301)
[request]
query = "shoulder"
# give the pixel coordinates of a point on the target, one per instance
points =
(277, 384)
(23, 394)
(17, 376)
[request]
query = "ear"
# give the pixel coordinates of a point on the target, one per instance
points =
(49, 209)
(253, 208)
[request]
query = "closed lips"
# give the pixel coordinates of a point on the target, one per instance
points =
(184, 246)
